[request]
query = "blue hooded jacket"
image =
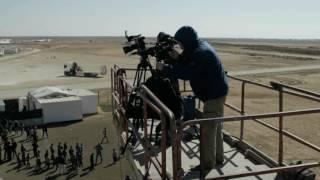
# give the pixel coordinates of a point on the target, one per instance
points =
(200, 65)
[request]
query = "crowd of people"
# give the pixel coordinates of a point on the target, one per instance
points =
(63, 157)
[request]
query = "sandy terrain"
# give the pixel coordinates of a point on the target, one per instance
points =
(18, 75)
(89, 132)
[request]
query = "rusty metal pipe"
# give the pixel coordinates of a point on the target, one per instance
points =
(286, 133)
(280, 154)
(313, 98)
(242, 109)
(267, 171)
(250, 117)
(297, 89)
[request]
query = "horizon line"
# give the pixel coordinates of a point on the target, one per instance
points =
(113, 36)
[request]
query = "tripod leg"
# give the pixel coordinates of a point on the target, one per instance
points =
(125, 146)
(151, 129)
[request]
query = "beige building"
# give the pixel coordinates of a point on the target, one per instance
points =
(1, 52)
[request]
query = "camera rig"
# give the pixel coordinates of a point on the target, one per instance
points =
(136, 45)
(165, 88)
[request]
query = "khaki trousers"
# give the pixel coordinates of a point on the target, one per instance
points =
(211, 137)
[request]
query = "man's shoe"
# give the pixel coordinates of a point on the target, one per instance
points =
(196, 168)
(219, 163)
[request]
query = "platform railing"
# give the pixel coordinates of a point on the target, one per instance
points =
(281, 89)
(120, 93)
(121, 90)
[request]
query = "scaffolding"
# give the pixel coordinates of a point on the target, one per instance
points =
(121, 88)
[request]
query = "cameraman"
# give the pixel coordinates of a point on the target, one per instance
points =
(198, 62)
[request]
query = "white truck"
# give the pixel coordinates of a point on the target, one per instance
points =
(73, 69)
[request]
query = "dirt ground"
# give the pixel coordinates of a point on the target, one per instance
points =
(89, 132)
(43, 68)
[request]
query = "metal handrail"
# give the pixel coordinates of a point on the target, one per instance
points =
(296, 89)
(149, 99)
(286, 133)
(267, 171)
(250, 117)
(281, 89)
(302, 93)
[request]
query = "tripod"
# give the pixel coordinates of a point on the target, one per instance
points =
(142, 68)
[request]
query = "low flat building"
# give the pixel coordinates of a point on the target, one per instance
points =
(11, 50)
(6, 41)
(1, 52)
(2, 106)
(59, 104)
(60, 109)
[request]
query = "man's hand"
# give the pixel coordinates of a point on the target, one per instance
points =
(159, 66)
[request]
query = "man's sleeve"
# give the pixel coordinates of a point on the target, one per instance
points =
(186, 72)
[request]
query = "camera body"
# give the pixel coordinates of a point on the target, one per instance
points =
(160, 50)
(135, 43)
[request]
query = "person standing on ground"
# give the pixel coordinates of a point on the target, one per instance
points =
(44, 131)
(35, 149)
(77, 147)
(18, 160)
(10, 149)
(71, 152)
(64, 153)
(198, 62)
(28, 160)
(23, 154)
(98, 148)
(6, 150)
(14, 147)
(51, 149)
(23, 157)
(46, 159)
(21, 129)
(81, 148)
(65, 146)
(104, 136)
(0, 153)
(80, 159)
(59, 147)
(92, 161)
(114, 156)
(38, 164)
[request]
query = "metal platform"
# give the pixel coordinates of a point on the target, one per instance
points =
(179, 161)
(235, 160)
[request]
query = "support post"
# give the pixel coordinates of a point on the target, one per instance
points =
(280, 158)
(242, 109)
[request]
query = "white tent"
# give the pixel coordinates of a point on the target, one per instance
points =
(89, 99)
(60, 109)
(48, 92)
(1, 52)
(6, 41)
(2, 106)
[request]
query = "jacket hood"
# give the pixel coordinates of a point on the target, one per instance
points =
(188, 38)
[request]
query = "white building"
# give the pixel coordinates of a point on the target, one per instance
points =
(1, 52)
(60, 104)
(11, 50)
(6, 41)
(2, 106)
(60, 109)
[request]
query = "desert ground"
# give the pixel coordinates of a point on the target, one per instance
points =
(248, 58)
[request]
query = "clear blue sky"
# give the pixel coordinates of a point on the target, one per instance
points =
(211, 18)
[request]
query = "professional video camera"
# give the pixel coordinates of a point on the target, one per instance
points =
(165, 88)
(160, 50)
